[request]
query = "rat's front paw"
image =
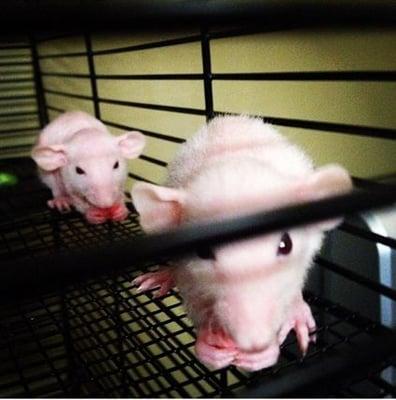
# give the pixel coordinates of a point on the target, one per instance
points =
(61, 203)
(162, 279)
(213, 355)
(118, 212)
(257, 360)
(301, 320)
(96, 215)
(214, 347)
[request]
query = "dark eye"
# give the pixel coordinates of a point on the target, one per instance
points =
(80, 171)
(115, 166)
(285, 245)
(206, 253)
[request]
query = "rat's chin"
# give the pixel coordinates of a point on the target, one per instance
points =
(95, 204)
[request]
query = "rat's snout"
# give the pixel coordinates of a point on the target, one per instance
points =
(251, 324)
(252, 342)
(103, 197)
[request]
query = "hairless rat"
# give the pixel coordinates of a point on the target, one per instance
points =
(85, 166)
(243, 297)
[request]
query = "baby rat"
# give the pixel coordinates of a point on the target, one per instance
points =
(85, 166)
(243, 297)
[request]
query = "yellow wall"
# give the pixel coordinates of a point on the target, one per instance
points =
(369, 104)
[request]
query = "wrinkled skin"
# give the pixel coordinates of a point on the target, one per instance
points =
(85, 166)
(244, 297)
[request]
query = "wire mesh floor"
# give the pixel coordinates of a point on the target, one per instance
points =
(102, 338)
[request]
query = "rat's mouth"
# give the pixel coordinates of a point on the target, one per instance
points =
(94, 204)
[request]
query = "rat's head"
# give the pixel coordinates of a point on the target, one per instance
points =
(251, 281)
(92, 163)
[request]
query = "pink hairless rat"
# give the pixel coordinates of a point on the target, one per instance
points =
(85, 166)
(243, 297)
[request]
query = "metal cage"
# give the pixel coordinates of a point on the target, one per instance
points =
(70, 323)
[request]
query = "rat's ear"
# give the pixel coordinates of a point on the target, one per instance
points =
(131, 144)
(159, 207)
(49, 158)
(327, 181)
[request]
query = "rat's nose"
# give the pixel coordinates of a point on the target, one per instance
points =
(104, 198)
(253, 346)
(253, 340)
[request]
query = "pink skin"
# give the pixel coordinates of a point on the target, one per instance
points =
(85, 166)
(62, 203)
(217, 349)
(95, 215)
(243, 297)
(163, 280)
(299, 319)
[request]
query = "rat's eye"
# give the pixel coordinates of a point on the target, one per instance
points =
(206, 253)
(285, 245)
(80, 171)
(115, 166)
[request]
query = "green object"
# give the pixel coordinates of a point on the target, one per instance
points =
(7, 179)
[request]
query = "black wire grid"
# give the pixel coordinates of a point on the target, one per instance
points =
(101, 338)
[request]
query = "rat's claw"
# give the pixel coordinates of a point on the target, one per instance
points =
(301, 320)
(302, 334)
(146, 284)
(62, 204)
(162, 279)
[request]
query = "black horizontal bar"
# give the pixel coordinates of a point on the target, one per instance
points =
(18, 147)
(383, 133)
(151, 77)
(18, 80)
(15, 114)
(17, 88)
(65, 94)
(369, 235)
(147, 133)
(17, 72)
(14, 63)
(146, 46)
(356, 278)
(309, 76)
(5, 56)
(14, 46)
(21, 97)
(66, 75)
(19, 119)
(21, 16)
(153, 160)
(67, 266)
(55, 108)
(138, 177)
(184, 110)
(327, 372)
(364, 183)
(63, 55)
(19, 103)
(255, 28)
(56, 36)
(13, 131)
